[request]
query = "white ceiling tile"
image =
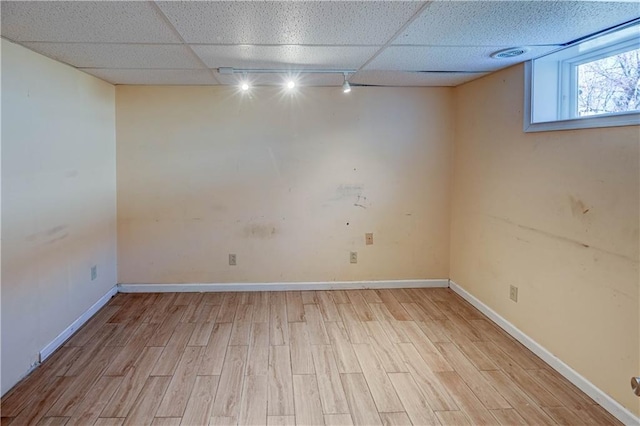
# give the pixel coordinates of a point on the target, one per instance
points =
(514, 23)
(85, 21)
(289, 22)
(439, 58)
(302, 80)
(89, 55)
(153, 77)
(399, 78)
(285, 56)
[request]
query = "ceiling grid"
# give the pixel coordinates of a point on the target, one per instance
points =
(388, 43)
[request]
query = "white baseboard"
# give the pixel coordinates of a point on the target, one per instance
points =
(328, 285)
(608, 403)
(62, 337)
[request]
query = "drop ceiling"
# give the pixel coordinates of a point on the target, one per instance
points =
(387, 43)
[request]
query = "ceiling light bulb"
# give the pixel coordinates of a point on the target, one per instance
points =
(291, 84)
(346, 87)
(245, 86)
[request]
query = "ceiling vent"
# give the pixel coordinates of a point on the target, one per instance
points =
(509, 53)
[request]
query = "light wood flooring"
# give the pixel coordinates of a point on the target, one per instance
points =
(364, 357)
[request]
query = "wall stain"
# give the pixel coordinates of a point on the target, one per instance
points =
(56, 229)
(359, 205)
(578, 208)
(256, 230)
(60, 238)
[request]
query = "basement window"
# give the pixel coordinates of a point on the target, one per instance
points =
(592, 83)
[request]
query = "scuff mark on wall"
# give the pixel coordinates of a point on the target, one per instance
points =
(561, 238)
(349, 190)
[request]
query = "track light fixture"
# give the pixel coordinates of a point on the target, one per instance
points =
(346, 87)
(290, 83)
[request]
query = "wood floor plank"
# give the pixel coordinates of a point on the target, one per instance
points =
(329, 383)
(508, 417)
(280, 398)
(71, 396)
(258, 358)
(260, 302)
(244, 313)
(295, 309)
(167, 421)
(54, 421)
(309, 297)
(363, 409)
(144, 408)
(427, 349)
(177, 394)
(229, 394)
(89, 409)
(563, 415)
(32, 387)
(393, 305)
(223, 421)
(386, 351)
(415, 404)
(360, 305)
(517, 398)
(327, 305)
(228, 309)
(539, 394)
(338, 420)
(39, 406)
(478, 384)
(254, 401)
(427, 381)
(381, 388)
(200, 404)
(393, 419)
(370, 296)
(86, 333)
(281, 420)
(301, 358)
(167, 327)
(307, 400)
(315, 325)
(338, 296)
(569, 395)
(456, 418)
(201, 334)
(240, 331)
(113, 421)
(132, 384)
(346, 359)
(170, 356)
(355, 328)
(468, 348)
(278, 331)
(127, 356)
(465, 398)
(213, 355)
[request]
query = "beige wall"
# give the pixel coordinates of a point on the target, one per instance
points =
(58, 201)
(290, 184)
(556, 214)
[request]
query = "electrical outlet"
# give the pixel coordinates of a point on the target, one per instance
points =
(353, 257)
(94, 272)
(232, 259)
(513, 293)
(368, 237)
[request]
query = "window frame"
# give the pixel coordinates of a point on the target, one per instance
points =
(566, 87)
